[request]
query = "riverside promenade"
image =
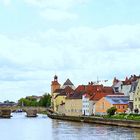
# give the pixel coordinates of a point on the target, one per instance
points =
(98, 120)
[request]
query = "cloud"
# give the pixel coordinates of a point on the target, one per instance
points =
(57, 15)
(81, 54)
(54, 10)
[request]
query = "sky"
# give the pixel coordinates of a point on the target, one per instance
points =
(76, 39)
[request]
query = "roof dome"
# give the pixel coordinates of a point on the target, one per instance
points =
(55, 77)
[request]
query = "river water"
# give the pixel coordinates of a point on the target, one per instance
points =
(43, 128)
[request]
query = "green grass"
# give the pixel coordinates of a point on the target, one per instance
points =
(123, 116)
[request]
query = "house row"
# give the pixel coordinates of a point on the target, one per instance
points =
(130, 87)
(90, 99)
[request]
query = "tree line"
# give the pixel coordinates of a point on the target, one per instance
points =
(44, 101)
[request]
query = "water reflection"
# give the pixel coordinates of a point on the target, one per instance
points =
(42, 128)
(82, 131)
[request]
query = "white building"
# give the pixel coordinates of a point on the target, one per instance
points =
(87, 105)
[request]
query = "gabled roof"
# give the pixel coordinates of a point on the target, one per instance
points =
(98, 96)
(68, 82)
(75, 95)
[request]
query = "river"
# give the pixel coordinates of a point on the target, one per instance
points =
(20, 127)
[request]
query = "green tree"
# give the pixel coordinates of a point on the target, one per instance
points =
(111, 111)
(45, 101)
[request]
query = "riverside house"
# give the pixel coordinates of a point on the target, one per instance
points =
(118, 101)
(73, 104)
(59, 93)
(128, 87)
(90, 98)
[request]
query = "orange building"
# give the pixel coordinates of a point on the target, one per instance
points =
(118, 101)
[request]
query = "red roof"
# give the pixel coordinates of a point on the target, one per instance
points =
(68, 89)
(98, 96)
(80, 88)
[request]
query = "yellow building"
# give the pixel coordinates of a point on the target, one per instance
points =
(136, 100)
(58, 100)
(73, 105)
(59, 93)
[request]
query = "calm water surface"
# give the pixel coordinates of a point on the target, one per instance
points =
(43, 128)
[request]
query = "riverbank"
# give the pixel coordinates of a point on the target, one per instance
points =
(98, 120)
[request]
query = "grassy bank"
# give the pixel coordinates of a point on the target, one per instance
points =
(124, 116)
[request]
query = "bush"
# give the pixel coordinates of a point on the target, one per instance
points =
(136, 111)
(111, 111)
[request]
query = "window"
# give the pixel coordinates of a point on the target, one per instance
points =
(135, 99)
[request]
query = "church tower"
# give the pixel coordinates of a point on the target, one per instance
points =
(55, 85)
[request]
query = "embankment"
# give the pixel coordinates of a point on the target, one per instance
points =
(98, 120)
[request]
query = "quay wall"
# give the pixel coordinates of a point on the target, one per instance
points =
(97, 120)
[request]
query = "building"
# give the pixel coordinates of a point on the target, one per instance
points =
(55, 84)
(136, 97)
(59, 93)
(59, 97)
(86, 105)
(128, 87)
(118, 101)
(73, 104)
(93, 94)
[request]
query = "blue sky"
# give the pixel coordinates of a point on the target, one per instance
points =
(79, 40)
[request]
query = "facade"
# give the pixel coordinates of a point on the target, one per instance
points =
(93, 94)
(128, 87)
(58, 100)
(59, 93)
(137, 97)
(55, 84)
(73, 104)
(61, 108)
(87, 105)
(118, 101)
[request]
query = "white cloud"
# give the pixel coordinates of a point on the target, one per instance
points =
(57, 15)
(81, 54)
(57, 10)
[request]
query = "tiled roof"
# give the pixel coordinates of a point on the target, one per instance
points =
(75, 95)
(127, 81)
(63, 92)
(68, 82)
(68, 89)
(98, 96)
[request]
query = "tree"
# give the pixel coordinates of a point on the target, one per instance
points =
(45, 101)
(136, 110)
(111, 111)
